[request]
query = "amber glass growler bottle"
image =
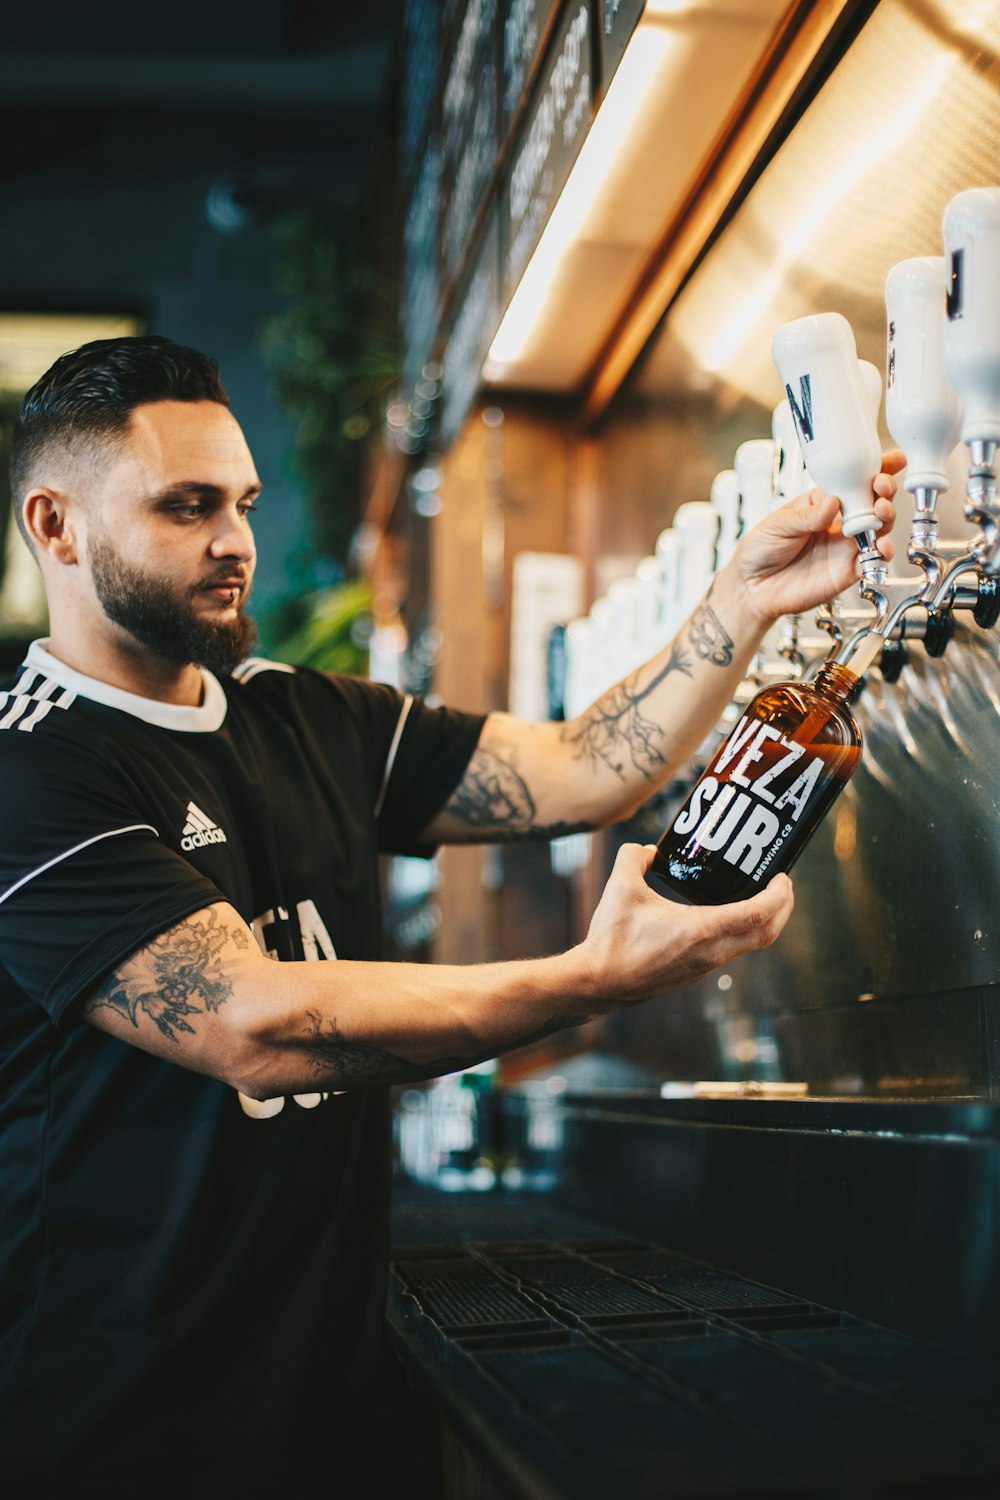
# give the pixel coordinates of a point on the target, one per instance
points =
(765, 791)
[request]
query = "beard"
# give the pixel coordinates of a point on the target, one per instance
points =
(162, 617)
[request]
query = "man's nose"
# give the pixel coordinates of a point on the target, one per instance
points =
(233, 537)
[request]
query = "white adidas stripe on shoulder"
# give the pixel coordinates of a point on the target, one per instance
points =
(30, 699)
(58, 858)
(254, 664)
(390, 759)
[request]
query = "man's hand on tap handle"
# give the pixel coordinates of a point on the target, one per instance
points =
(799, 558)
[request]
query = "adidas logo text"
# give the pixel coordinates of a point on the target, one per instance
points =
(199, 830)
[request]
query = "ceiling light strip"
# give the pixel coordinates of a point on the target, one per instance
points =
(798, 43)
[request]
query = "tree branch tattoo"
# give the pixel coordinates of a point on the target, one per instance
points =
(346, 1064)
(187, 978)
(708, 636)
(614, 730)
(493, 797)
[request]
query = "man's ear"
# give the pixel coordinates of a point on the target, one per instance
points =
(50, 523)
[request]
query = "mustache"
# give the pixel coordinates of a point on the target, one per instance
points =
(224, 578)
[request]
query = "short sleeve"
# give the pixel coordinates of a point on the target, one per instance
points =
(401, 758)
(429, 758)
(85, 879)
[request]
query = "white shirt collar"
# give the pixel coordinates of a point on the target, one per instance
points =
(205, 718)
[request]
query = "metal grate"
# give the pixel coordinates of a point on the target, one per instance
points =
(465, 1295)
(711, 1291)
(588, 1292)
(627, 1370)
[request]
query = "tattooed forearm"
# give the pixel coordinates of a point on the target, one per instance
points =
(174, 978)
(493, 797)
(709, 637)
(614, 731)
(346, 1064)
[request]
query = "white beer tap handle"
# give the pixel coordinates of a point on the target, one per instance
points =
(695, 525)
(817, 361)
(922, 411)
(791, 478)
(725, 499)
(668, 555)
(972, 330)
(754, 465)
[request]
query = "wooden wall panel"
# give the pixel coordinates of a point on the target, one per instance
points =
(506, 489)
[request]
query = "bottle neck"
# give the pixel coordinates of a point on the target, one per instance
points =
(834, 682)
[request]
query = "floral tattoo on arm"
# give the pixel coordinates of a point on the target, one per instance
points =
(184, 978)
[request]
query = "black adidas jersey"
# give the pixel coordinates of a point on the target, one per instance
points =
(179, 1263)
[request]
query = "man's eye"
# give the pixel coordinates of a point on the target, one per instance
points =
(248, 510)
(188, 512)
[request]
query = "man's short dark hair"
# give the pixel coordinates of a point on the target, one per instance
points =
(87, 397)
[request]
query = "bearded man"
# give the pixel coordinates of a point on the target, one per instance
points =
(197, 1032)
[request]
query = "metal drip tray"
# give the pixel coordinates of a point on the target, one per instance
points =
(587, 1290)
(572, 1371)
(708, 1291)
(460, 1294)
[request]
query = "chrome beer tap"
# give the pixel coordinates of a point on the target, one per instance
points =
(936, 366)
(972, 364)
(924, 416)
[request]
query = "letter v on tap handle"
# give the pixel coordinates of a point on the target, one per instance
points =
(834, 401)
(817, 362)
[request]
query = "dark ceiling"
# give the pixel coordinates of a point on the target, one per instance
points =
(285, 97)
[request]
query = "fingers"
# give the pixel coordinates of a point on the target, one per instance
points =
(760, 912)
(886, 512)
(754, 923)
(885, 487)
(633, 860)
(822, 510)
(893, 461)
(812, 511)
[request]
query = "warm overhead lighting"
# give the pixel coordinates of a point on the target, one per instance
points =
(880, 142)
(651, 58)
(743, 320)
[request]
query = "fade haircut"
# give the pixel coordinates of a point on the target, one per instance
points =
(86, 399)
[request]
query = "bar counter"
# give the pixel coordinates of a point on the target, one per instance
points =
(580, 1349)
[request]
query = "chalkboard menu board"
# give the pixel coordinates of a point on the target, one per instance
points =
(618, 21)
(469, 126)
(476, 320)
(421, 285)
(554, 130)
(418, 81)
(497, 99)
(472, 44)
(471, 173)
(523, 26)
